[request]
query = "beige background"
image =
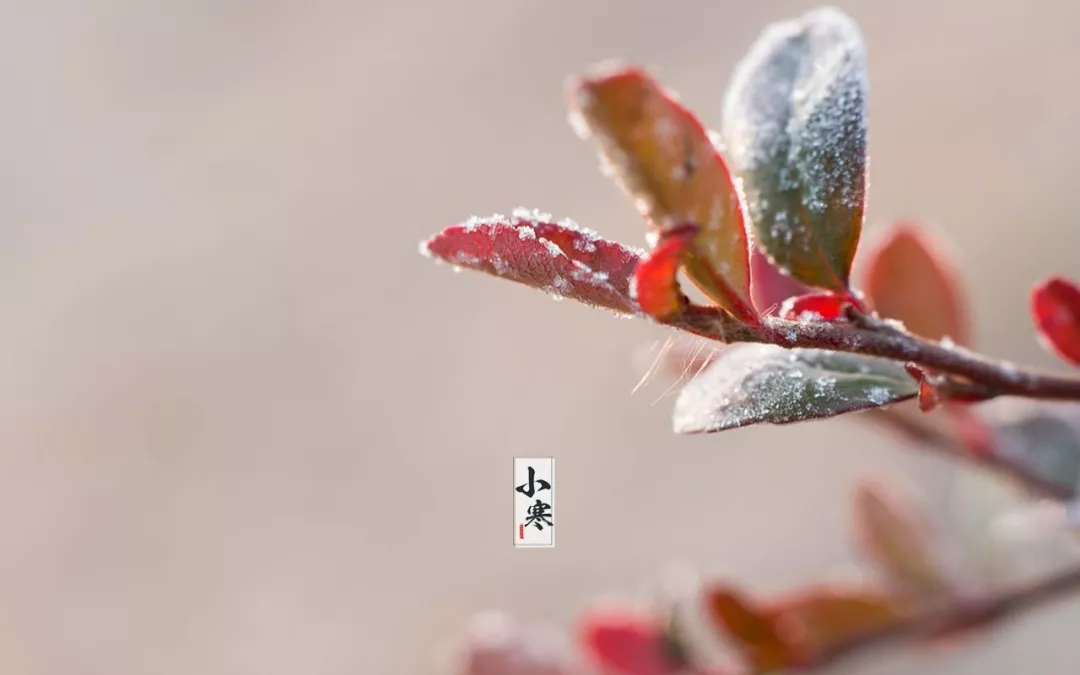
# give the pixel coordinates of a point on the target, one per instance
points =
(245, 428)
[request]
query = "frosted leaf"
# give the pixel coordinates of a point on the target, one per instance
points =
(659, 154)
(560, 258)
(795, 126)
(755, 383)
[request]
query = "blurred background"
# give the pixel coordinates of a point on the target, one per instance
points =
(245, 428)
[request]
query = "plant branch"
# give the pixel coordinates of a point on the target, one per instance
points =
(883, 340)
(930, 439)
(959, 617)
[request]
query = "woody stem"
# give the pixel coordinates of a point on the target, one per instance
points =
(998, 377)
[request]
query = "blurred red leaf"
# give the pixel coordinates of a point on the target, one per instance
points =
(816, 306)
(1055, 306)
(769, 286)
(828, 617)
(656, 279)
(759, 634)
(661, 156)
(622, 642)
(908, 278)
(893, 533)
(494, 644)
(560, 258)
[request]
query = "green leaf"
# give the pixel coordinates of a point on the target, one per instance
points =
(795, 129)
(757, 383)
(1042, 437)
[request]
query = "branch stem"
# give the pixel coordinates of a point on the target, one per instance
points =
(960, 617)
(883, 340)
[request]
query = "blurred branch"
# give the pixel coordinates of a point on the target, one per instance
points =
(931, 439)
(958, 617)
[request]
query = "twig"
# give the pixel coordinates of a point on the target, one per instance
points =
(934, 440)
(889, 342)
(959, 617)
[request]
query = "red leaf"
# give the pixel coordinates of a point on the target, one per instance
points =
(817, 306)
(560, 258)
(769, 286)
(827, 617)
(494, 644)
(1055, 306)
(908, 278)
(761, 638)
(662, 157)
(656, 282)
(622, 642)
(929, 396)
(896, 535)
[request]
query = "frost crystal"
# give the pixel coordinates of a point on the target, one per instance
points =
(824, 386)
(584, 245)
(462, 258)
(554, 250)
(876, 395)
(532, 216)
(425, 250)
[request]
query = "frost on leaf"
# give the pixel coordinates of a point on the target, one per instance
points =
(897, 537)
(795, 126)
(1055, 307)
(559, 258)
(663, 158)
(758, 383)
(908, 278)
